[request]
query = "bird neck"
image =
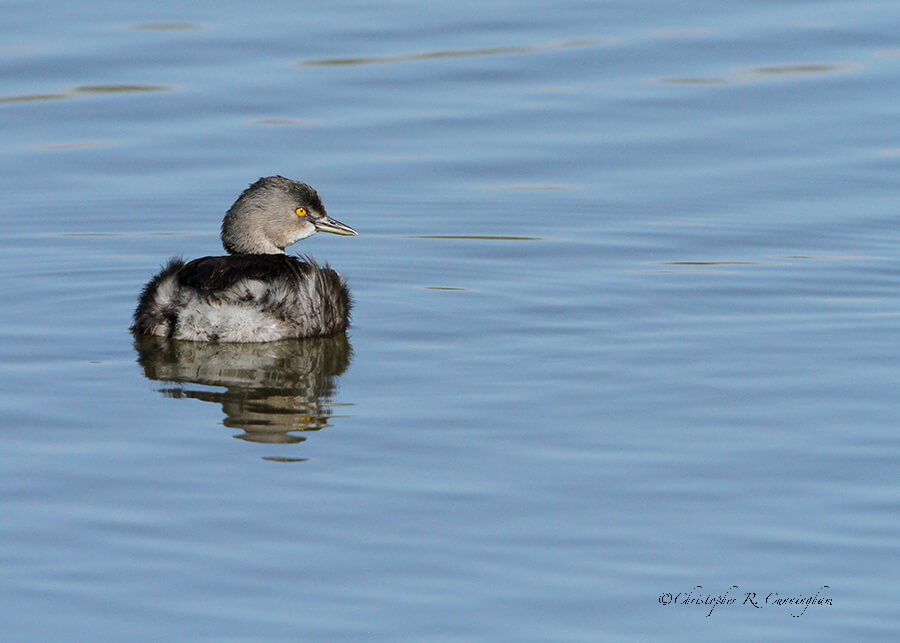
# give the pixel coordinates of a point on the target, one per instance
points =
(263, 247)
(243, 240)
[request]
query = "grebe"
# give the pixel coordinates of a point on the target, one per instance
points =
(257, 293)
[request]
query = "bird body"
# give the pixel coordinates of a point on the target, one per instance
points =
(257, 293)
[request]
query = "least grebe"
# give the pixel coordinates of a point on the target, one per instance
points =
(257, 293)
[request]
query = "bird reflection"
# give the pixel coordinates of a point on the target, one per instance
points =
(273, 390)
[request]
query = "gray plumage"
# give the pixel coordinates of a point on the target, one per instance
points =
(258, 293)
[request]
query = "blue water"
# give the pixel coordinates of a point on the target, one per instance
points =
(626, 322)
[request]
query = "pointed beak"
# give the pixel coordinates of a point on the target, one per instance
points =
(327, 224)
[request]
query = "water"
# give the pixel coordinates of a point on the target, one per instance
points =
(626, 322)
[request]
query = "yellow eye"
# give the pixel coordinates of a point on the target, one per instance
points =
(301, 212)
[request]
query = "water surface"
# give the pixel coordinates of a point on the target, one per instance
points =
(626, 322)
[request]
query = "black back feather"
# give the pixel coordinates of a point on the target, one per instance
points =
(213, 274)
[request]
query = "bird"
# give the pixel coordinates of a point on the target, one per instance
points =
(256, 293)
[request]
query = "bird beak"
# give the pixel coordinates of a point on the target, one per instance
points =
(327, 224)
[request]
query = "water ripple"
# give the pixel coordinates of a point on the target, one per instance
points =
(765, 73)
(85, 90)
(457, 53)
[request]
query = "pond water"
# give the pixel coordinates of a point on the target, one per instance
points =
(626, 322)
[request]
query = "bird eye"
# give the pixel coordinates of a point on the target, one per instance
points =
(301, 212)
